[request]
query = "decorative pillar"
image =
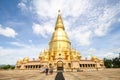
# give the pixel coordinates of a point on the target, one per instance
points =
(28, 66)
(91, 65)
(31, 66)
(81, 65)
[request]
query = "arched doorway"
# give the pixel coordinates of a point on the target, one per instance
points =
(60, 65)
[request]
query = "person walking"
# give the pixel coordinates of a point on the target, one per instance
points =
(51, 70)
(46, 70)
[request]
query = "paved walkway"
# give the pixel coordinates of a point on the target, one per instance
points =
(107, 74)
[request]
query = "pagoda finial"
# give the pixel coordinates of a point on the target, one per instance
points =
(58, 11)
(59, 22)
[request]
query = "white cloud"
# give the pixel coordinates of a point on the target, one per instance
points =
(81, 37)
(8, 32)
(119, 20)
(38, 29)
(18, 44)
(97, 20)
(114, 50)
(22, 6)
(49, 8)
(91, 50)
(110, 55)
(102, 29)
(30, 41)
(11, 55)
(101, 53)
(1, 47)
(105, 19)
(43, 30)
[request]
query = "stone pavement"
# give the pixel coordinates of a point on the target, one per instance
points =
(107, 74)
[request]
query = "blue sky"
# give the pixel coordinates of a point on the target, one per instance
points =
(26, 27)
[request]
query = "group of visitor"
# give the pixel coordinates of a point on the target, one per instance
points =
(46, 70)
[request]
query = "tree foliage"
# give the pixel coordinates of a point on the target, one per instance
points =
(7, 67)
(112, 63)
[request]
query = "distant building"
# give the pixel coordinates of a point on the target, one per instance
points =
(60, 55)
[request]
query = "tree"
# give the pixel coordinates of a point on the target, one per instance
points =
(108, 63)
(12, 67)
(116, 62)
(112, 63)
(7, 67)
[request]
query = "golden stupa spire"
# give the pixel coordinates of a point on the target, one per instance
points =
(59, 12)
(59, 38)
(59, 22)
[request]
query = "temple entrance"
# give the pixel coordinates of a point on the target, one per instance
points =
(60, 65)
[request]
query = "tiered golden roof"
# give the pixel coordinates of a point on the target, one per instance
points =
(59, 38)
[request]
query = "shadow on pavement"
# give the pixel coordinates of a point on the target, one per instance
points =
(59, 76)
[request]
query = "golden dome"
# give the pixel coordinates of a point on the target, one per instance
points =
(100, 60)
(19, 61)
(25, 59)
(41, 56)
(93, 58)
(46, 50)
(78, 53)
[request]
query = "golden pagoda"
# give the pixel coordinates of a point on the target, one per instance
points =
(60, 55)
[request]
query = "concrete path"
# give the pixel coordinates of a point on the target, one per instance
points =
(107, 74)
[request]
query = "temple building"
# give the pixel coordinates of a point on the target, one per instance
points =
(60, 55)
